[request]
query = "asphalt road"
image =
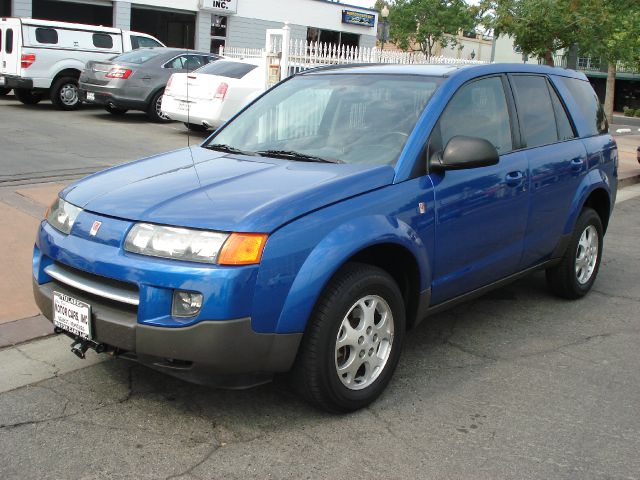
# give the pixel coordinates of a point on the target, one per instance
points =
(39, 142)
(515, 385)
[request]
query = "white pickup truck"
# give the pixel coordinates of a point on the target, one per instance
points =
(41, 57)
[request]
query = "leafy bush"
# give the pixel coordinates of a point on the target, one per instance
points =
(638, 112)
(628, 112)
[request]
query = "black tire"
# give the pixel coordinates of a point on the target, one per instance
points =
(194, 127)
(4, 91)
(65, 94)
(115, 110)
(315, 374)
(153, 111)
(563, 279)
(27, 96)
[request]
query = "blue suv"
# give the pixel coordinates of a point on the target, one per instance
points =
(331, 215)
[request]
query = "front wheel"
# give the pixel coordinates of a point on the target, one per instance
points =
(65, 94)
(574, 276)
(27, 97)
(352, 344)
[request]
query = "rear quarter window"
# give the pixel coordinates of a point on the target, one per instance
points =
(102, 40)
(46, 35)
(227, 69)
(588, 104)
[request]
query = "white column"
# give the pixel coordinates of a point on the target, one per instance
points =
(203, 31)
(122, 15)
(21, 8)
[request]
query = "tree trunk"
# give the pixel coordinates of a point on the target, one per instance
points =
(611, 85)
(548, 58)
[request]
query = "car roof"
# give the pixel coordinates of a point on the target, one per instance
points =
(440, 70)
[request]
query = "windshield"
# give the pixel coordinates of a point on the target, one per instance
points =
(342, 118)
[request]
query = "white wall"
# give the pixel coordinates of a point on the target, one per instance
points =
(504, 52)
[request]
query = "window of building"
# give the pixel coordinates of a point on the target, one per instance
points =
(332, 37)
(46, 35)
(102, 40)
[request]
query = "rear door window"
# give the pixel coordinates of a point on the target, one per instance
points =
(478, 109)
(8, 41)
(46, 35)
(535, 111)
(565, 130)
(589, 105)
(227, 69)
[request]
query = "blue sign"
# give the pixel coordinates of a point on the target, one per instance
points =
(358, 18)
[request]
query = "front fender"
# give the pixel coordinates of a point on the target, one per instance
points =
(333, 251)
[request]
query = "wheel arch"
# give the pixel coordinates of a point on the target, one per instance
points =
(595, 193)
(67, 72)
(600, 201)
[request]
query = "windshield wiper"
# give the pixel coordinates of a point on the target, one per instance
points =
(221, 147)
(291, 155)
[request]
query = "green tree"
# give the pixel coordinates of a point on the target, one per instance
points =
(538, 27)
(420, 25)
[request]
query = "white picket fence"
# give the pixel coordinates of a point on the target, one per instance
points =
(304, 55)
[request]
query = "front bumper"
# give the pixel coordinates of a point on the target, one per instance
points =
(218, 347)
(13, 81)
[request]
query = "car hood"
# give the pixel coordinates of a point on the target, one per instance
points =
(206, 189)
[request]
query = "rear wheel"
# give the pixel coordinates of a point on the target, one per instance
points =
(115, 110)
(27, 96)
(577, 271)
(194, 127)
(65, 93)
(154, 110)
(4, 91)
(352, 344)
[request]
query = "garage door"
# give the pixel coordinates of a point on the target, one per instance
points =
(174, 28)
(91, 12)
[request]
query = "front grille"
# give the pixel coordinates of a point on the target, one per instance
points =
(99, 286)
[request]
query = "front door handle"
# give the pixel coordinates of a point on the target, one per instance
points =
(514, 179)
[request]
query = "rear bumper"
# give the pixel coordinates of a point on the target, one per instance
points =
(13, 81)
(223, 352)
(103, 96)
(201, 112)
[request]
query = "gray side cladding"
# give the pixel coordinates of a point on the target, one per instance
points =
(246, 32)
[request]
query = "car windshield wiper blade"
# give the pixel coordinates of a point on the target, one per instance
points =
(291, 155)
(221, 147)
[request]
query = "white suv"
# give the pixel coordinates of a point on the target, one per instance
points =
(40, 57)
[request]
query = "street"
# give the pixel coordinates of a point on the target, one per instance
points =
(517, 384)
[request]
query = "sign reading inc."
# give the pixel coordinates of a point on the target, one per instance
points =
(221, 6)
(358, 18)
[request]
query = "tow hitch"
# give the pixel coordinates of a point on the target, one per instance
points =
(80, 345)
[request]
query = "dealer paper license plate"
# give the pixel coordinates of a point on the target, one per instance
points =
(72, 315)
(183, 106)
(91, 96)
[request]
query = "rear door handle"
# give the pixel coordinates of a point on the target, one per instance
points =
(514, 179)
(577, 164)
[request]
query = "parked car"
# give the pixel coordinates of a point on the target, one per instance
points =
(42, 58)
(136, 80)
(332, 214)
(212, 94)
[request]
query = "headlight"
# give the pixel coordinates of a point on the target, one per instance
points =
(176, 243)
(62, 215)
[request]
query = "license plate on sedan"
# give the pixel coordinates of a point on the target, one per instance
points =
(72, 315)
(2, 81)
(183, 106)
(91, 96)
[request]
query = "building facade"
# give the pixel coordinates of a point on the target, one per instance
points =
(209, 24)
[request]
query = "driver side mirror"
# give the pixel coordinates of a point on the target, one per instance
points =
(465, 152)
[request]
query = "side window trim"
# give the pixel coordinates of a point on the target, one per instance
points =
(553, 90)
(514, 118)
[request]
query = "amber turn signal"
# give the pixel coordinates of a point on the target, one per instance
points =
(242, 249)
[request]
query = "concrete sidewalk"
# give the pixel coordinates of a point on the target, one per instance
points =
(22, 208)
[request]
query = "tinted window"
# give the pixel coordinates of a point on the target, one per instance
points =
(186, 62)
(537, 119)
(137, 56)
(589, 105)
(478, 109)
(46, 35)
(102, 40)
(227, 69)
(8, 41)
(565, 131)
(143, 42)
